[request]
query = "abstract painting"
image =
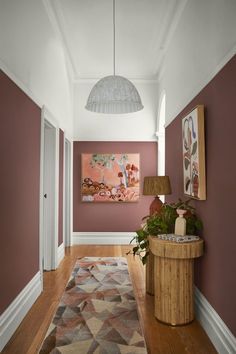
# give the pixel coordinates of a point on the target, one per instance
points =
(110, 177)
(194, 154)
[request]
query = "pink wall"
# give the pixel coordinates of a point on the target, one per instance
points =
(19, 203)
(106, 216)
(61, 181)
(215, 272)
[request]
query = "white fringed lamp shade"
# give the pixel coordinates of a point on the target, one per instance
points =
(114, 95)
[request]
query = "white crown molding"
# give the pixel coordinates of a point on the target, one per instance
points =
(203, 84)
(220, 335)
(60, 253)
(79, 80)
(102, 238)
(19, 83)
(14, 314)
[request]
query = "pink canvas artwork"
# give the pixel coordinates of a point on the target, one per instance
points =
(110, 177)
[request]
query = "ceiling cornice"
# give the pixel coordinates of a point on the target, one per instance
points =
(94, 80)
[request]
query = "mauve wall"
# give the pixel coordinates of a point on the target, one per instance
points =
(116, 216)
(61, 181)
(19, 202)
(215, 270)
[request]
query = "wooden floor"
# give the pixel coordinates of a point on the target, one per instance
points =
(160, 338)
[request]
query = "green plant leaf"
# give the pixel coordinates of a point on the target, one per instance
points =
(164, 222)
(135, 249)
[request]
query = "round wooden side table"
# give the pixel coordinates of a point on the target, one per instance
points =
(173, 279)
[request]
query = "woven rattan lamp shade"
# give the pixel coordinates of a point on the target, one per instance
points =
(156, 185)
(114, 95)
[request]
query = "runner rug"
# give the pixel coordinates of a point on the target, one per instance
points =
(97, 312)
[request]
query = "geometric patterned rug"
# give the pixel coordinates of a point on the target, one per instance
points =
(97, 312)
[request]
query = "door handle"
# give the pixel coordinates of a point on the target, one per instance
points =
(45, 195)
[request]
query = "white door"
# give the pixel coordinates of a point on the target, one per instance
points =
(49, 214)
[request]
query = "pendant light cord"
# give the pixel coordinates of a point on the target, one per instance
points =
(114, 38)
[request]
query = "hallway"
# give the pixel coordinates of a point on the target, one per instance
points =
(160, 338)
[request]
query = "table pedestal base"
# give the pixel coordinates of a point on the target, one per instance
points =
(174, 302)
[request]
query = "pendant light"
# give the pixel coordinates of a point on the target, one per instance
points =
(114, 94)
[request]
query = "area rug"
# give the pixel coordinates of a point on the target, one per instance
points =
(97, 312)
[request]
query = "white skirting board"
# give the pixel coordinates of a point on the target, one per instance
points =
(14, 314)
(60, 253)
(102, 238)
(220, 335)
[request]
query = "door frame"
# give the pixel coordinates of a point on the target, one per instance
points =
(67, 206)
(47, 119)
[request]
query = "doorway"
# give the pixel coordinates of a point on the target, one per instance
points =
(49, 193)
(67, 194)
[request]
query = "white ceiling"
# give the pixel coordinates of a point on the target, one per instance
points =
(143, 29)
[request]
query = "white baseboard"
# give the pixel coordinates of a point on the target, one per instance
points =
(60, 253)
(102, 238)
(14, 314)
(220, 335)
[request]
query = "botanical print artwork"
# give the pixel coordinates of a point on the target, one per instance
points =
(97, 312)
(194, 153)
(110, 177)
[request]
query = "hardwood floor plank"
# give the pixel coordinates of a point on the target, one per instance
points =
(160, 338)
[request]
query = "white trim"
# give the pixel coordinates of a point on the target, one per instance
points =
(102, 238)
(60, 253)
(220, 335)
(49, 119)
(67, 193)
(14, 314)
(71, 190)
(202, 85)
(159, 135)
(56, 193)
(64, 191)
(41, 230)
(19, 83)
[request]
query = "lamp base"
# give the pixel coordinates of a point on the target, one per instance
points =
(155, 206)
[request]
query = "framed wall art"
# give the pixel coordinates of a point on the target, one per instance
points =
(110, 177)
(194, 154)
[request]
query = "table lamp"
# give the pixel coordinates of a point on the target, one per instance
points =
(156, 185)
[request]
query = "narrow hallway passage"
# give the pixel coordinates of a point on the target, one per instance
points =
(160, 338)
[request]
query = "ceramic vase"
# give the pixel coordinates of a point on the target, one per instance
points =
(180, 223)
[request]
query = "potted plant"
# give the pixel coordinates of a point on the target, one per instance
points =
(164, 223)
